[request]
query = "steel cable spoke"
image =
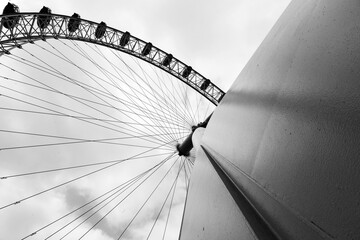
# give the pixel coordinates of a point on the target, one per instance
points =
(92, 79)
(147, 199)
(106, 102)
(113, 197)
(172, 189)
(80, 166)
(146, 96)
(70, 181)
(112, 209)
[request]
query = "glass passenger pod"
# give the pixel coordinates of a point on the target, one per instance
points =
(125, 38)
(205, 84)
(10, 22)
(221, 97)
(100, 30)
(147, 48)
(74, 23)
(43, 20)
(167, 60)
(186, 72)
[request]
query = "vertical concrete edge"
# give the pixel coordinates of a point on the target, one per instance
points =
(258, 224)
(283, 221)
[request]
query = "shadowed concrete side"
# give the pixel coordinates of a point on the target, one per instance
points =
(287, 133)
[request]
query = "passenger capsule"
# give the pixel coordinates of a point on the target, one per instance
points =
(42, 20)
(167, 60)
(205, 84)
(125, 38)
(186, 72)
(221, 97)
(146, 50)
(100, 30)
(10, 22)
(74, 23)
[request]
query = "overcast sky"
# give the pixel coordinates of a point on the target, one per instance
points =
(216, 38)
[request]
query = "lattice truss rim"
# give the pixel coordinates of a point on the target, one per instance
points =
(28, 31)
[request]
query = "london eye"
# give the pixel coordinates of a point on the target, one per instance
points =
(105, 135)
(93, 122)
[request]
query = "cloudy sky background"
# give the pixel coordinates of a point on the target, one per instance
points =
(216, 38)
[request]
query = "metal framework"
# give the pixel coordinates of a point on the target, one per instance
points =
(27, 31)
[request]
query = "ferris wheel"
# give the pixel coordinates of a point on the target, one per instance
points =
(94, 130)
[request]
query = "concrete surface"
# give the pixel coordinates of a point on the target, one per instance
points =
(288, 132)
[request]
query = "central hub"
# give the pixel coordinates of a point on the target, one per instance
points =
(185, 147)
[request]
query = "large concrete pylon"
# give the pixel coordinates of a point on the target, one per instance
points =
(286, 136)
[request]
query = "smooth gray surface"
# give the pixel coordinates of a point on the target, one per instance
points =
(211, 212)
(288, 131)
